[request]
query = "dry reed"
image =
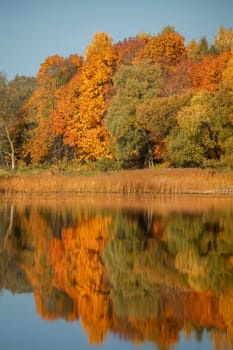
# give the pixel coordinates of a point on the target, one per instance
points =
(136, 182)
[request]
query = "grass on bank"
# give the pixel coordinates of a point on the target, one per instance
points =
(133, 182)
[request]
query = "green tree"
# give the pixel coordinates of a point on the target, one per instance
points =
(158, 118)
(134, 85)
(203, 46)
(222, 120)
(13, 95)
(195, 140)
(184, 151)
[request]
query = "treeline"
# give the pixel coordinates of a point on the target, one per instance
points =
(143, 101)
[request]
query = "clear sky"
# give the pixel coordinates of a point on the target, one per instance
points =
(31, 30)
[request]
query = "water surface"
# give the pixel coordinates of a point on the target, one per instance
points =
(109, 274)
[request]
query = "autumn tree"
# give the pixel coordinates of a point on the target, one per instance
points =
(63, 119)
(134, 85)
(227, 75)
(206, 74)
(88, 100)
(192, 50)
(54, 73)
(178, 81)
(128, 48)
(166, 49)
(224, 40)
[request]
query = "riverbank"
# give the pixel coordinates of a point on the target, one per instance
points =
(135, 182)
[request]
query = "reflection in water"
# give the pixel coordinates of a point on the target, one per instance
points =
(145, 274)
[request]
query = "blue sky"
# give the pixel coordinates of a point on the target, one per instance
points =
(31, 30)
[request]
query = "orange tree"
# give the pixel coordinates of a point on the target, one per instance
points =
(166, 49)
(40, 145)
(206, 74)
(129, 48)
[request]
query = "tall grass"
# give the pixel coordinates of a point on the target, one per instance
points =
(135, 182)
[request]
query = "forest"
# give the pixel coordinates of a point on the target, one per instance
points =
(148, 100)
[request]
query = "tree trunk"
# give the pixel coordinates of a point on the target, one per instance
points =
(12, 152)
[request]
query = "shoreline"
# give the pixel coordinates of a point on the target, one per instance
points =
(134, 183)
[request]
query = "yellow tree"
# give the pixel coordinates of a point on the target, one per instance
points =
(224, 40)
(192, 50)
(227, 76)
(89, 97)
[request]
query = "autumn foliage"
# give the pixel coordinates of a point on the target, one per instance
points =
(166, 49)
(132, 272)
(206, 74)
(66, 119)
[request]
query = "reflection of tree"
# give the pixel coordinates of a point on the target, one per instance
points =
(10, 226)
(202, 246)
(138, 264)
(12, 276)
(142, 275)
(78, 270)
(208, 238)
(7, 220)
(165, 279)
(55, 304)
(59, 219)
